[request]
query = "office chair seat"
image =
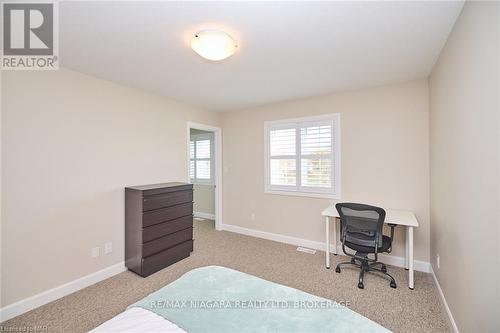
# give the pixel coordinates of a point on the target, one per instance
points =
(386, 245)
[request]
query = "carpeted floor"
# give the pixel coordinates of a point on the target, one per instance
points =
(400, 310)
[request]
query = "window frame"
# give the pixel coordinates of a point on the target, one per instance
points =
(201, 137)
(332, 192)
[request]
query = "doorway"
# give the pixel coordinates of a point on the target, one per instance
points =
(204, 171)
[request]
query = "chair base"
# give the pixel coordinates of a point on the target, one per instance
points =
(361, 261)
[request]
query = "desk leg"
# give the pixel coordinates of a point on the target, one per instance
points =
(327, 233)
(410, 258)
(334, 236)
(407, 248)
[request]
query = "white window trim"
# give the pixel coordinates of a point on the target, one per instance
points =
(298, 190)
(210, 137)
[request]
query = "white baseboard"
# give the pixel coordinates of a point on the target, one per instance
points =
(418, 265)
(33, 302)
(451, 320)
(421, 266)
(204, 215)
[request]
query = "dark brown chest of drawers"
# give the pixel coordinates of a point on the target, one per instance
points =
(158, 226)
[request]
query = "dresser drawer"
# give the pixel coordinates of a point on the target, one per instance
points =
(153, 190)
(158, 201)
(166, 258)
(166, 242)
(165, 228)
(167, 214)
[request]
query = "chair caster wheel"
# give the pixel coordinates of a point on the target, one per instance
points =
(361, 285)
(384, 269)
(393, 284)
(337, 269)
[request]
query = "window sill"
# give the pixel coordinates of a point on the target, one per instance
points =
(303, 194)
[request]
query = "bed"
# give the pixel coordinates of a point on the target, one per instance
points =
(136, 319)
(219, 299)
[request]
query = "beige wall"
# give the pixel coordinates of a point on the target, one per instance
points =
(204, 199)
(465, 168)
(70, 144)
(384, 153)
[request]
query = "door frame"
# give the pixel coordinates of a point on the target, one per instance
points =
(217, 162)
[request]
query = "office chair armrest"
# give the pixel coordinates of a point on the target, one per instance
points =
(392, 236)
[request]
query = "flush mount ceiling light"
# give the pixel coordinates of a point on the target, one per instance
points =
(213, 45)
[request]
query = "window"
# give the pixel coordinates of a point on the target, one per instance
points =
(303, 156)
(201, 158)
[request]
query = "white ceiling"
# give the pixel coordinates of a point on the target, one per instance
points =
(287, 50)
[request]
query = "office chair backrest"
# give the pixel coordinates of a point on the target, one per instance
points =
(361, 224)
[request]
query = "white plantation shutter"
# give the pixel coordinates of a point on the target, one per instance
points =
(203, 170)
(191, 149)
(203, 148)
(316, 155)
(191, 161)
(283, 169)
(283, 142)
(201, 159)
(302, 156)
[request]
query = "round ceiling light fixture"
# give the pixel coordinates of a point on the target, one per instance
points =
(213, 45)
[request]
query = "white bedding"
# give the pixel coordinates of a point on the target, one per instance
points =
(136, 320)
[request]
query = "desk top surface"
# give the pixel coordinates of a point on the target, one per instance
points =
(392, 216)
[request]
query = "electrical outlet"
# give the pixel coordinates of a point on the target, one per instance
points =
(108, 248)
(437, 262)
(95, 252)
(252, 217)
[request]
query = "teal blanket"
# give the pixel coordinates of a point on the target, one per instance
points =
(218, 299)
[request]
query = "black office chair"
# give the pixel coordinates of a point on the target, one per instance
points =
(361, 229)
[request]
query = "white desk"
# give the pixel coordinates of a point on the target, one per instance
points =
(398, 217)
